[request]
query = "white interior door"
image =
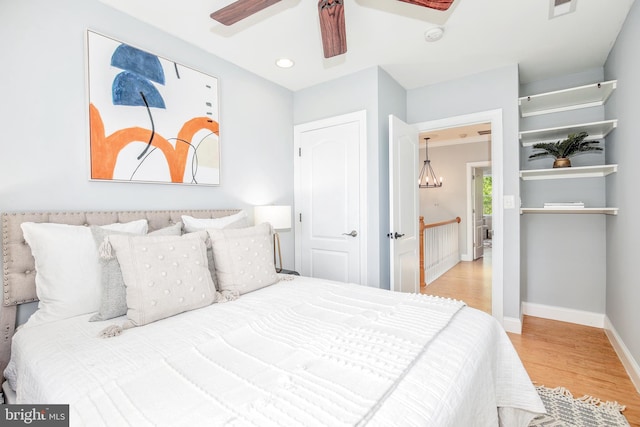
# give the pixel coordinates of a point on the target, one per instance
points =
(330, 231)
(477, 212)
(403, 194)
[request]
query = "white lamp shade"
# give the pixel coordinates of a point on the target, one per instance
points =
(278, 216)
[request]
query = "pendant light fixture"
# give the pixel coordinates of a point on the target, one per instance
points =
(427, 177)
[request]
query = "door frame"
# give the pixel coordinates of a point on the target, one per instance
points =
(497, 171)
(469, 243)
(361, 118)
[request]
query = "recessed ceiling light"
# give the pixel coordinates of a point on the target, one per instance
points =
(285, 63)
(434, 34)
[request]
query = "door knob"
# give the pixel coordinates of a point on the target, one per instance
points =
(353, 233)
(397, 235)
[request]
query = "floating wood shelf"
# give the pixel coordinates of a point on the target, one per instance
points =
(591, 95)
(606, 211)
(571, 172)
(596, 130)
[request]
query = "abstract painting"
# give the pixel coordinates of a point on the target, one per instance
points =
(150, 119)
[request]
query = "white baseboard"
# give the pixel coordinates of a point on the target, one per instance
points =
(630, 365)
(466, 257)
(439, 269)
(563, 314)
(512, 324)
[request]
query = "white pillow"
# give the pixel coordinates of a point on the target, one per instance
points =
(113, 302)
(163, 275)
(67, 268)
(244, 258)
(192, 224)
(139, 226)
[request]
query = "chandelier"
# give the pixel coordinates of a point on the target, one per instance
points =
(427, 177)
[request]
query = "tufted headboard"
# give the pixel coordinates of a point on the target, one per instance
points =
(18, 275)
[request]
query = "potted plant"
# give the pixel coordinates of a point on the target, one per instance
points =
(564, 149)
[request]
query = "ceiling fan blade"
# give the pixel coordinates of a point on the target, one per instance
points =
(332, 28)
(431, 4)
(239, 10)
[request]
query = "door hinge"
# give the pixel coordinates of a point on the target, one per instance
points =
(300, 217)
(299, 151)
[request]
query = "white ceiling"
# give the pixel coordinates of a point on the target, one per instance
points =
(479, 35)
(457, 135)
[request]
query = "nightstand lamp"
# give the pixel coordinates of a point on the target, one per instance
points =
(280, 219)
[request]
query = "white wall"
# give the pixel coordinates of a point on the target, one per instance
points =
(450, 200)
(43, 114)
(623, 230)
(490, 90)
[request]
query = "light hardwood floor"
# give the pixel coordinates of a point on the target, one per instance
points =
(579, 358)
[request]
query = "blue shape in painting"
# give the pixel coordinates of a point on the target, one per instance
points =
(138, 62)
(127, 87)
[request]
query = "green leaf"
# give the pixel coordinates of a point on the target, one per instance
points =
(574, 144)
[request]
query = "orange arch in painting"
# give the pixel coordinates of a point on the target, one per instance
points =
(105, 149)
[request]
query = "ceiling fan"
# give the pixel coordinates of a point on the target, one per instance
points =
(331, 13)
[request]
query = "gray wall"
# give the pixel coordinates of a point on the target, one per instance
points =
(392, 99)
(623, 291)
(43, 113)
(372, 90)
(495, 89)
(450, 200)
(564, 256)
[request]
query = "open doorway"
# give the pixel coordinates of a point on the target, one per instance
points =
(479, 209)
(487, 210)
(462, 156)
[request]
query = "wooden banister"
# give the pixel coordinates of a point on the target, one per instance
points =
(422, 283)
(438, 224)
(423, 227)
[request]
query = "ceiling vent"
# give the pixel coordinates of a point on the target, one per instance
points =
(561, 7)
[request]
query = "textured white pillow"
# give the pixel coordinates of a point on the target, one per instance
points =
(67, 268)
(113, 300)
(244, 258)
(163, 275)
(192, 224)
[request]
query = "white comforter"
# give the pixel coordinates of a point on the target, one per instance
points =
(301, 352)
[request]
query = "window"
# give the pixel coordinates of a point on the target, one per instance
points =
(487, 188)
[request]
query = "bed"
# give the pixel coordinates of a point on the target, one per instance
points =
(297, 351)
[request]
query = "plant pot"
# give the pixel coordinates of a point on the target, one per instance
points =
(562, 162)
